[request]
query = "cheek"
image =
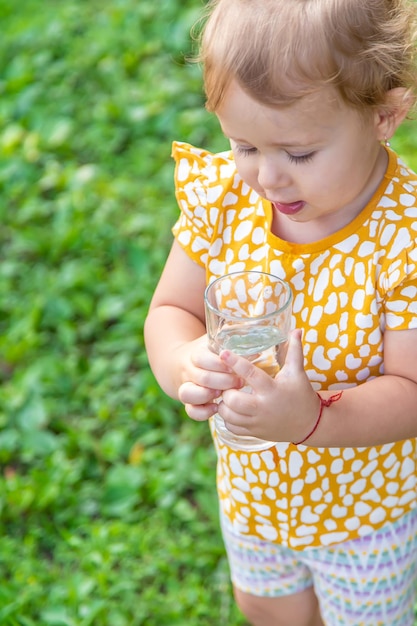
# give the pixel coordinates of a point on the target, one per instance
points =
(248, 170)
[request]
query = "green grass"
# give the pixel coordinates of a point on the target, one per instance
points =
(108, 508)
(108, 512)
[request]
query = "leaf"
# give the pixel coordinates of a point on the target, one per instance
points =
(32, 415)
(9, 440)
(136, 453)
(121, 490)
(57, 617)
(138, 258)
(38, 443)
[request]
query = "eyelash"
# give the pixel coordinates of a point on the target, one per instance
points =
(245, 151)
(304, 158)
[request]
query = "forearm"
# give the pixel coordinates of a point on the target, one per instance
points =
(380, 411)
(167, 328)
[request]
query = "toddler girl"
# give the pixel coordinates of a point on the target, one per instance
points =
(322, 527)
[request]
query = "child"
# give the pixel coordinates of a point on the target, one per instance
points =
(322, 530)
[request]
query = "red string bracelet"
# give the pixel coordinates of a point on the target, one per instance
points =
(323, 403)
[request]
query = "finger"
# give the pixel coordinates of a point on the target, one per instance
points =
(189, 393)
(240, 401)
(208, 360)
(238, 406)
(238, 430)
(252, 375)
(294, 360)
(215, 380)
(201, 412)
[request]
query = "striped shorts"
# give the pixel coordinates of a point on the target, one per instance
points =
(369, 581)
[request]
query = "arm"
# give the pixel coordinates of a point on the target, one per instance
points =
(176, 342)
(379, 411)
(384, 409)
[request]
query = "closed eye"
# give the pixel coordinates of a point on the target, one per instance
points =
(293, 158)
(245, 151)
(302, 158)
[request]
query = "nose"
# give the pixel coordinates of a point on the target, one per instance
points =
(271, 175)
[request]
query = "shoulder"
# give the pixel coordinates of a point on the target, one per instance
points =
(218, 211)
(401, 191)
(191, 160)
(203, 178)
(396, 211)
(396, 215)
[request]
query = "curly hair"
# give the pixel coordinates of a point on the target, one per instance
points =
(280, 50)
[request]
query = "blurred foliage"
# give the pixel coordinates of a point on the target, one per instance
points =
(107, 501)
(108, 510)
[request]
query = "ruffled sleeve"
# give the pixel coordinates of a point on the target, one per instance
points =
(203, 188)
(398, 275)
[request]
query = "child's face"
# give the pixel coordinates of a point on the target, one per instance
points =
(317, 161)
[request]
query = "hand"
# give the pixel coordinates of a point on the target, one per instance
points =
(205, 376)
(283, 408)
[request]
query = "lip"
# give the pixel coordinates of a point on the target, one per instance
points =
(290, 208)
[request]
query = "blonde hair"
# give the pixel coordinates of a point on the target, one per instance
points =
(280, 50)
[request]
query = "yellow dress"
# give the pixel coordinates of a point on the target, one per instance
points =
(347, 289)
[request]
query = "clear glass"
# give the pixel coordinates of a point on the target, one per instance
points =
(249, 313)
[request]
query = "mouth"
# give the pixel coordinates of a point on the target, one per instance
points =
(291, 208)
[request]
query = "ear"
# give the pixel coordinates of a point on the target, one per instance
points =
(389, 116)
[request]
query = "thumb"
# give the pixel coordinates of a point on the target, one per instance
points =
(294, 360)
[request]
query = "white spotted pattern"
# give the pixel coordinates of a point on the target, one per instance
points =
(348, 288)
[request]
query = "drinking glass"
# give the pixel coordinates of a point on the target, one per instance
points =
(248, 313)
